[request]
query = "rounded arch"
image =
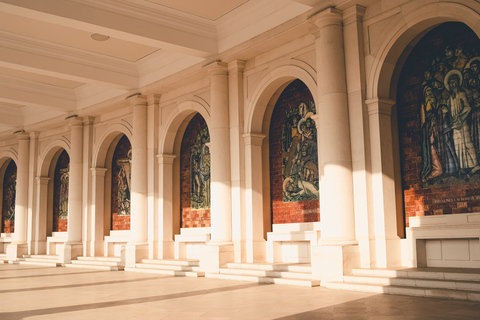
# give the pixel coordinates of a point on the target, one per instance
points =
(49, 153)
(273, 84)
(179, 114)
(408, 28)
(106, 140)
(7, 155)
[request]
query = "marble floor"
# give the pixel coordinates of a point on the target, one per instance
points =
(33, 292)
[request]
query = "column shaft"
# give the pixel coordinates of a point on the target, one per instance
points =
(75, 186)
(221, 219)
(21, 197)
(138, 218)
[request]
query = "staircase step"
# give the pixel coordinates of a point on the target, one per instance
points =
(177, 273)
(427, 273)
(99, 259)
(267, 273)
(41, 257)
(166, 267)
(189, 263)
(96, 263)
(38, 262)
(409, 291)
(284, 267)
(95, 266)
(415, 282)
(249, 278)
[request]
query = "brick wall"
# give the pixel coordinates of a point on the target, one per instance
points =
(119, 220)
(432, 183)
(8, 205)
(191, 217)
(59, 222)
(283, 210)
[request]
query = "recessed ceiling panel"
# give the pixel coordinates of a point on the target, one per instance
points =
(208, 9)
(71, 37)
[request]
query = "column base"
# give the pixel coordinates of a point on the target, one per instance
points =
(16, 250)
(134, 253)
(331, 262)
(166, 249)
(69, 251)
(256, 250)
(213, 256)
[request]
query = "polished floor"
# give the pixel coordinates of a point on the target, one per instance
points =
(31, 292)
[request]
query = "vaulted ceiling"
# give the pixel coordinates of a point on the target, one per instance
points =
(60, 56)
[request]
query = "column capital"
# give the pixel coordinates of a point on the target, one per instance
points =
(164, 158)
(34, 134)
(75, 122)
(137, 99)
(353, 14)
(22, 135)
(42, 180)
(216, 68)
(327, 17)
(88, 120)
(153, 99)
(254, 139)
(380, 106)
(236, 66)
(99, 172)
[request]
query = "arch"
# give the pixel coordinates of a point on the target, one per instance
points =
(8, 155)
(106, 140)
(180, 114)
(408, 28)
(271, 84)
(49, 153)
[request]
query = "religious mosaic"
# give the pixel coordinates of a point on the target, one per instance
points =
(438, 101)
(9, 191)
(300, 155)
(200, 171)
(122, 176)
(61, 185)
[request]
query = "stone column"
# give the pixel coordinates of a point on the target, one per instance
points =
(165, 223)
(41, 214)
(237, 151)
(387, 242)
(32, 235)
(255, 243)
(335, 255)
(19, 245)
(73, 246)
(220, 248)
(137, 247)
(98, 211)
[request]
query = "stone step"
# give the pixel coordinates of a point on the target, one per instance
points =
(109, 259)
(267, 273)
(177, 273)
(166, 267)
(96, 263)
(269, 280)
(298, 267)
(41, 257)
(415, 282)
(406, 290)
(95, 267)
(39, 262)
(190, 263)
(422, 273)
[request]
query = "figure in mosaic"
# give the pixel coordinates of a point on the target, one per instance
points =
(450, 115)
(63, 199)
(200, 171)
(300, 154)
(9, 197)
(124, 183)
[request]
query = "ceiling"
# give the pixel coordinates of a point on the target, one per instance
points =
(51, 67)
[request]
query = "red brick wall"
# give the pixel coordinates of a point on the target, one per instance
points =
(448, 190)
(191, 218)
(283, 211)
(8, 205)
(119, 221)
(59, 223)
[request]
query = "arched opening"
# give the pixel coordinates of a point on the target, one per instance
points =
(60, 193)
(195, 175)
(438, 118)
(120, 181)
(9, 174)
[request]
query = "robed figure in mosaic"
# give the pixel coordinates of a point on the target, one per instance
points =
(300, 154)
(63, 198)
(200, 171)
(124, 184)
